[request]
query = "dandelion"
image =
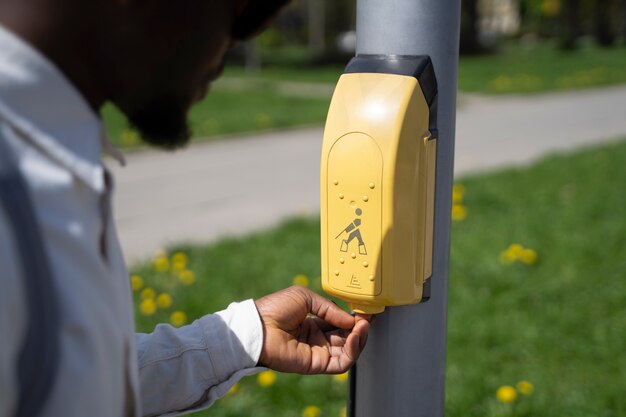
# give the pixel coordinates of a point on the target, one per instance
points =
(178, 318)
(501, 83)
(136, 282)
(516, 252)
(458, 191)
(179, 261)
(234, 389)
(506, 258)
(311, 411)
(147, 307)
(459, 212)
(529, 257)
(525, 387)
(147, 293)
(506, 394)
(343, 412)
(211, 126)
(301, 280)
(266, 378)
(341, 377)
(264, 121)
(187, 277)
(129, 137)
(161, 264)
(164, 300)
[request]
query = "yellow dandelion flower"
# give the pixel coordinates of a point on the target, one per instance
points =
(506, 394)
(506, 258)
(501, 83)
(234, 389)
(180, 257)
(211, 126)
(529, 257)
(266, 378)
(525, 387)
(178, 266)
(341, 377)
(187, 277)
(129, 137)
(179, 261)
(515, 250)
(178, 318)
(148, 307)
(311, 411)
(264, 121)
(459, 212)
(164, 300)
(161, 264)
(301, 280)
(457, 193)
(136, 282)
(343, 412)
(147, 293)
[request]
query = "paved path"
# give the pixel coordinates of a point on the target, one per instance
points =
(244, 184)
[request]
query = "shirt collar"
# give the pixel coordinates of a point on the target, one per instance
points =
(39, 102)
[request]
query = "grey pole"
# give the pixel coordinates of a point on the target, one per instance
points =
(401, 372)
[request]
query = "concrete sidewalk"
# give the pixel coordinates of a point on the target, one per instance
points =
(240, 185)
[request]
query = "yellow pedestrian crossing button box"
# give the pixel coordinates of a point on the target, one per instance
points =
(378, 182)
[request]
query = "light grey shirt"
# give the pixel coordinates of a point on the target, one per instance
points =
(105, 369)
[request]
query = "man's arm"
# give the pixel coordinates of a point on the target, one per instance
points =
(182, 369)
(189, 368)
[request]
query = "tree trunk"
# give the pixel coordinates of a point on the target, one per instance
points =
(470, 43)
(603, 25)
(572, 28)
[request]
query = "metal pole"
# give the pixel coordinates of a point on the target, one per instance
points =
(401, 372)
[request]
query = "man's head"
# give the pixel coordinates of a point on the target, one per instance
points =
(151, 58)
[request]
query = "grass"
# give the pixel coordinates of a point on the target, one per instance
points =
(559, 323)
(246, 102)
(542, 67)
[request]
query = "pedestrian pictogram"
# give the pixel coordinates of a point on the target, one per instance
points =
(354, 232)
(354, 282)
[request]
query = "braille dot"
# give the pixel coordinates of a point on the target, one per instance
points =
(365, 264)
(372, 185)
(365, 198)
(371, 277)
(341, 196)
(353, 255)
(335, 182)
(341, 260)
(336, 272)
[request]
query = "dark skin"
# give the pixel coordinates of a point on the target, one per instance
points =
(153, 59)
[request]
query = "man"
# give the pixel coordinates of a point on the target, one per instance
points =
(60, 60)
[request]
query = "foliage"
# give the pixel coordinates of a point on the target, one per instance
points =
(544, 337)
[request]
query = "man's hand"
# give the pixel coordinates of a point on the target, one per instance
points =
(328, 342)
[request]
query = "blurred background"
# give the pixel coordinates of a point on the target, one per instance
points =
(537, 324)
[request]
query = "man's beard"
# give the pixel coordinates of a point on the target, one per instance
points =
(162, 123)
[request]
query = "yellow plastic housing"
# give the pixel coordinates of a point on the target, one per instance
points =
(377, 192)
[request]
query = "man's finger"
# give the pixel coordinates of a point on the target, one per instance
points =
(330, 312)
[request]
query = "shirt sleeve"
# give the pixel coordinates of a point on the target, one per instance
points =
(12, 318)
(186, 369)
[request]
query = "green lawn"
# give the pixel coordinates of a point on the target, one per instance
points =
(559, 322)
(245, 102)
